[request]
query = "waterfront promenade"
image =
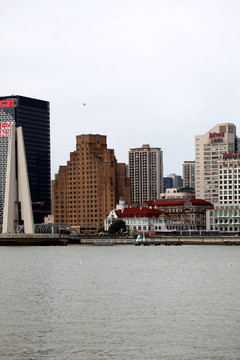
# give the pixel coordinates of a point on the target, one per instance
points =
(164, 240)
(64, 239)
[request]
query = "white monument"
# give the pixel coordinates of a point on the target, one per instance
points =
(17, 186)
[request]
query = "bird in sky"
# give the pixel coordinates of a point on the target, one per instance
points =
(84, 104)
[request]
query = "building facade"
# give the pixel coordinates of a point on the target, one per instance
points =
(188, 174)
(146, 173)
(191, 211)
(145, 219)
(224, 218)
(226, 215)
(90, 185)
(176, 193)
(34, 117)
(209, 148)
(137, 219)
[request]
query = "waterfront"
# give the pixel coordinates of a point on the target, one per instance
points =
(120, 302)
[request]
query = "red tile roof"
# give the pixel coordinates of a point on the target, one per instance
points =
(195, 202)
(139, 212)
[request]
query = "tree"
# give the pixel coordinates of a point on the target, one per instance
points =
(118, 226)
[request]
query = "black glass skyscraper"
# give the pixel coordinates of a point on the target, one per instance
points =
(34, 117)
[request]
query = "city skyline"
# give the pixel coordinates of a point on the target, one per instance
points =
(154, 73)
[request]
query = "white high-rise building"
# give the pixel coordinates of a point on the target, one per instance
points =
(146, 173)
(226, 214)
(209, 148)
(229, 179)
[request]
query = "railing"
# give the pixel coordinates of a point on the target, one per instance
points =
(46, 229)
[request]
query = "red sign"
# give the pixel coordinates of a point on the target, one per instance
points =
(4, 133)
(235, 155)
(5, 128)
(6, 103)
(216, 135)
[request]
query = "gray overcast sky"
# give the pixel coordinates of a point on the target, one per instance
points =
(152, 72)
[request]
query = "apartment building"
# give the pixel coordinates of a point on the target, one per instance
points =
(146, 173)
(188, 170)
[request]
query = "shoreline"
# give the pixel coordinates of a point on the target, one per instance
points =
(63, 240)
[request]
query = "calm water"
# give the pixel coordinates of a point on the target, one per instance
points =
(120, 302)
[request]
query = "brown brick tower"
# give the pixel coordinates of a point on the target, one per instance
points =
(90, 185)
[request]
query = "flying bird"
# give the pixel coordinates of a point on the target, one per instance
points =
(84, 104)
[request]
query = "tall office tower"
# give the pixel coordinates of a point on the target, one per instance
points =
(176, 180)
(146, 173)
(90, 185)
(209, 149)
(34, 117)
(188, 174)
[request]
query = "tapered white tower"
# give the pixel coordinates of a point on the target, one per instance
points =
(17, 186)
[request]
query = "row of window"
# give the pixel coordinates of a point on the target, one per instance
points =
(225, 228)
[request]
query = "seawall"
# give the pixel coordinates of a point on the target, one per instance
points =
(32, 239)
(165, 240)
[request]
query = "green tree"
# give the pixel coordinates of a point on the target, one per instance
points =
(118, 226)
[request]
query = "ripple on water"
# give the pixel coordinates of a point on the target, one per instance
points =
(120, 302)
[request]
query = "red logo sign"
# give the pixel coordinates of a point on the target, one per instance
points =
(216, 135)
(6, 103)
(235, 155)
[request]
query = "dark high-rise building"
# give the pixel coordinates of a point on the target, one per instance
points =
(188, 174)
(34, 117)
(167, 183)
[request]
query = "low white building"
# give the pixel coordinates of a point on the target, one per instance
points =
(135, 218)
(177, 193)
(145, 219)
(224, 218)
(166, 224)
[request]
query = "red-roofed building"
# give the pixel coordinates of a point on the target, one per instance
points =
(142, 219)
(192, 211)
(135, 218)
(139, 212)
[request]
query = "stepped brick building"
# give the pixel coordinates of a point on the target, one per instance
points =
(89, 186)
